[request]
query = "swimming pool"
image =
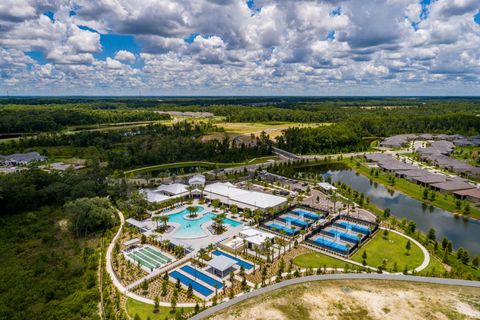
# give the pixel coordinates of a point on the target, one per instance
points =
(190, 229)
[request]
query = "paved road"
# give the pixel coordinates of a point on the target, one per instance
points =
(348, 276)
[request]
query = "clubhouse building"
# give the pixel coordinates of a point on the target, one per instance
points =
(226, 193)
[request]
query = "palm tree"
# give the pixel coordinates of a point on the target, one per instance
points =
(216, 203)
(201, 253)
(164, 219)
(233, 209)
(192, 211)
(218, 219)
(349, 205)
(333, 197)
(156, 219)
(247, 213)
(258, 215)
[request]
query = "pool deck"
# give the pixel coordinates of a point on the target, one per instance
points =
(201, 242)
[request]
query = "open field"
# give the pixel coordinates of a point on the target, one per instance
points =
(360, 299)
(446, 202)
(391, 249)
(144, 311)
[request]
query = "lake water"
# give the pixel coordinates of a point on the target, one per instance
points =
(463, 233)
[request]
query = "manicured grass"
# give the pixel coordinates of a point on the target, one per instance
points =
(435, 266)
(414, 190)
(146, 310)
(318, 260)
(391, 249)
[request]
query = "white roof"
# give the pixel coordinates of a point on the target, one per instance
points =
(199, 178)
(221, 263)
(253, 198)
(131, 241)
(135, 223)
(154, 196)
(251, 232)
(258, 240)
(174, 188)
(326, 186)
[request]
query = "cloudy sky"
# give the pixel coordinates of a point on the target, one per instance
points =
(238, 47)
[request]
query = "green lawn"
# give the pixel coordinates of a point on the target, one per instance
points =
(446, 202)
(391, 249)
(145, 311)
(318, 260)
(435, 266)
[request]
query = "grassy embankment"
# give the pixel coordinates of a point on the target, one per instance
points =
(145, 311)
(206, 164)
(443, 201)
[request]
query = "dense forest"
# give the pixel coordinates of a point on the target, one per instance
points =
(28, 118)
(50, 229)
(352, 135)
(153, 144)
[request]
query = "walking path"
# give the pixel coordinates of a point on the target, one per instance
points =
(347, 276)
(426, 254)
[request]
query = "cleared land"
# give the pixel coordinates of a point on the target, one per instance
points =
(360, 299)
(392, 250)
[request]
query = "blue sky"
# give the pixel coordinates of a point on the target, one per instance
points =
(253, 47)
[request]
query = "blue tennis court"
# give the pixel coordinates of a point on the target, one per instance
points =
(355, 227)
(343, 236)
(297, 222)
(202, 276)
(240, 262)
(305, 213)
(273, 225)
(204, 291)
(332, 245)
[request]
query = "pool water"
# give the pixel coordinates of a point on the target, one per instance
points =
(192, 228)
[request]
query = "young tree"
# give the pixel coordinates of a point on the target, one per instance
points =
(411, 227)
(145, 286)
(156, 306)
(386, 213)
(408, 246)
(431, 235)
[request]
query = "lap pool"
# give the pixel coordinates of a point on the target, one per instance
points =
(190, 229)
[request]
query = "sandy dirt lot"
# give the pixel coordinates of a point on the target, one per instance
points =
(361, 299)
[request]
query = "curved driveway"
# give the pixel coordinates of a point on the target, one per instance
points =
(347, 276)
